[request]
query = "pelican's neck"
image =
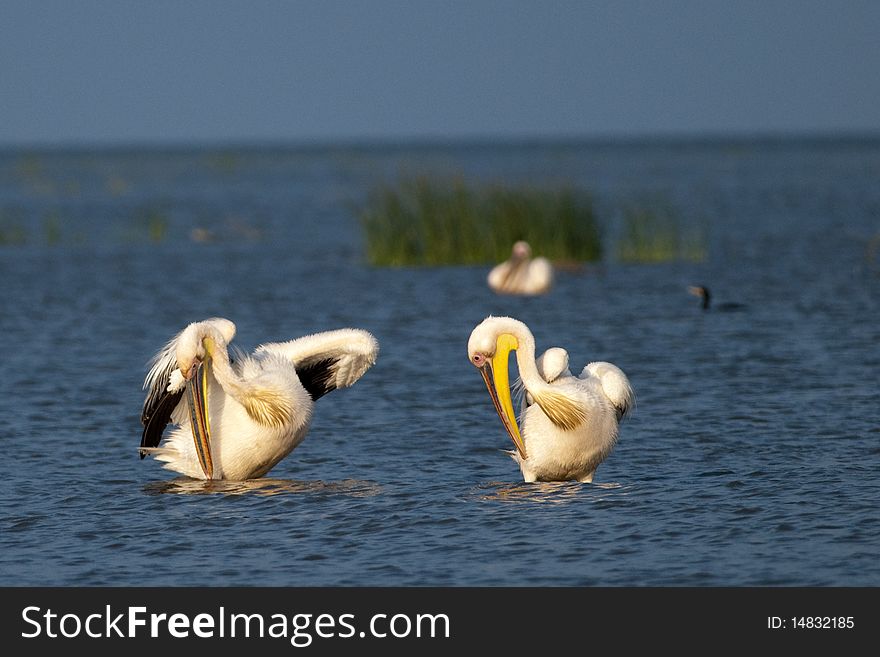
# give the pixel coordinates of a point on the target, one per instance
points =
(565, 412)
(266, 404)
(218, 351)
(525, 359)
(518, 265)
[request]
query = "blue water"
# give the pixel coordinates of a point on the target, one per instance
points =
(753, 457)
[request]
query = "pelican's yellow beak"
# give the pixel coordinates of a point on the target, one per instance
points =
(197, 398)
(499, 388)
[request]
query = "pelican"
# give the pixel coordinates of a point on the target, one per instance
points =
(239, 416)
(521, 274)
(703, 292)
(569, 424)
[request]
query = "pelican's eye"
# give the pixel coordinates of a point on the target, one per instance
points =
(478, 359)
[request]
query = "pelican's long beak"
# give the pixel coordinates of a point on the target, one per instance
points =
(197, 397)
(499, 389)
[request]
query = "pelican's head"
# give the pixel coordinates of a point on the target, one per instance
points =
(489, 350)
(521, 250)
(198, 340)
(196, 346)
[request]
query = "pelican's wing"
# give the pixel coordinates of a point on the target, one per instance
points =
(327, 361)
(614, 384)
(552, 364)
(498, 276)
(160, 403)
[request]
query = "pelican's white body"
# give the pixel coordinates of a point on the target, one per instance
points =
(558, 455)
(599, 398)
(521, 274)
(242, 447)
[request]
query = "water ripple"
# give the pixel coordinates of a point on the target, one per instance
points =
(751, 459)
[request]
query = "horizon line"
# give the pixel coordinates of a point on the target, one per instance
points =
(442, 141)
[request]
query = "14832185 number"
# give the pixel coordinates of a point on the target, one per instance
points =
(822, 622)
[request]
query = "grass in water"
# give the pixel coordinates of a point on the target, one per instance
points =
(52, 228)
(653, 232)
(148, 224)
(12, 230)
(440, 222)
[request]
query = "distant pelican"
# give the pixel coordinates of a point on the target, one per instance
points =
(703, 293)
(569, 424)
(238, 417)
(521, 274)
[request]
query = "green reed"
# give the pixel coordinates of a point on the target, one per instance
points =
(12, 229)
(52, 228)
(653, 232)
(148, 224)
(425, 221)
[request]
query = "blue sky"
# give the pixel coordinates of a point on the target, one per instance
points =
(84, 72)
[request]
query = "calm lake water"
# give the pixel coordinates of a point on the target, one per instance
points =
(753, 457)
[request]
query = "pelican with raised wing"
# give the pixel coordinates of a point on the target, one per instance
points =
(238, 416)
(569, 424)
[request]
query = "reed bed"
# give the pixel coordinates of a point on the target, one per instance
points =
(426, 221)
(440, 222)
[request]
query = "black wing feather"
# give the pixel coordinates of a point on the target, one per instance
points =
(158, 407)
(318, 376)
(158, 418)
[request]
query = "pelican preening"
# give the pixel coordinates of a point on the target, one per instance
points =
(703, 292)
(521, 274)
(238, 417)
(569, 424)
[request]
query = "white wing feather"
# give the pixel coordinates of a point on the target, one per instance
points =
(353, 352)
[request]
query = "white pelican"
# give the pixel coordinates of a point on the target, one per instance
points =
(569, 424)
(521, 274)
(237, 417)
(703, 292)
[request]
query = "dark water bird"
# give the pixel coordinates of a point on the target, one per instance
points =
(237, 418)
(703, 292)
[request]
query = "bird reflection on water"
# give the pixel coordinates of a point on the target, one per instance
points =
(549, 492)
(262, 487)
